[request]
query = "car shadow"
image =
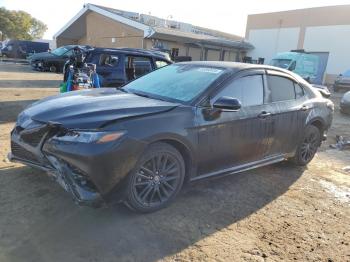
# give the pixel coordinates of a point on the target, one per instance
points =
(40, 222)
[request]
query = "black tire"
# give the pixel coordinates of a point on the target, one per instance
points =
(308, 146)
(156, 179)
(53, 68)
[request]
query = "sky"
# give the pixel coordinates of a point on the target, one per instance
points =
(224, 15)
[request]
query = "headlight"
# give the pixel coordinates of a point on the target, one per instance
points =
(89, 137)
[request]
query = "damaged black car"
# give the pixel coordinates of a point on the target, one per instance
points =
(141, 143)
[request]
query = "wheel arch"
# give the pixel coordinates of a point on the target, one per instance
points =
(186, 153)
(319, 123)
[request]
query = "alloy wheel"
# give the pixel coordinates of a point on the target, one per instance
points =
(309, 147)
(157, 179)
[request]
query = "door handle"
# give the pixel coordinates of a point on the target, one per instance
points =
(264, 114)
(304, 108)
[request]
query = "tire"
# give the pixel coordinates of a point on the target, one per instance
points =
(156, 179)
(307, 148)
(53, 69)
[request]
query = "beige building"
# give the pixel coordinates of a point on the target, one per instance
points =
(106, 27)
(324, 31)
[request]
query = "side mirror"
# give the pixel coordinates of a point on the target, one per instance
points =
(227, 103)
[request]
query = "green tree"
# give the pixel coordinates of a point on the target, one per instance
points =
(20, 25)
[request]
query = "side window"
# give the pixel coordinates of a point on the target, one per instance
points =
(108, 60)
(281, 88)
(299, 92)
(69, 53)
(249, 90)
(136, 66)
(161, 63)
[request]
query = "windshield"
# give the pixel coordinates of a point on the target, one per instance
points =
(281, 63)
(181, 82)
(60, 51)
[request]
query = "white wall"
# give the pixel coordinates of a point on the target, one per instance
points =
(268, 42)
(332, 39)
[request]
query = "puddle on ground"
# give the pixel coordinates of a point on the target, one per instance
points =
(340, 193)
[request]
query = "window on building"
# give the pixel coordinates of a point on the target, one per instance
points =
(281, 88)
(248, 90)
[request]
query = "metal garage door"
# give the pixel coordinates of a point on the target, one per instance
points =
(213, 55)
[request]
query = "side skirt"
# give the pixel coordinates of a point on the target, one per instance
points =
(242, 168)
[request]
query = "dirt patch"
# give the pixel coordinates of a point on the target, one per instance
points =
(275, 213)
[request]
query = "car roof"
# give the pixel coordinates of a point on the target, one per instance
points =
(236, 66)
(133, 51)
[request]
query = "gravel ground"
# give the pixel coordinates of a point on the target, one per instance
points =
(273, 213)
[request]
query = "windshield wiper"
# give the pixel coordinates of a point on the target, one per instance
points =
(122, 89)
(141, 94)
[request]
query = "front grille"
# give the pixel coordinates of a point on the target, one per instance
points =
(33, 138)
(22, 153)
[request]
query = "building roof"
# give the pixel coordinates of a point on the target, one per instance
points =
(191, 34)
(200, 39)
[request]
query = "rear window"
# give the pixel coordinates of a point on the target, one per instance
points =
(249, 90)
(281, 88)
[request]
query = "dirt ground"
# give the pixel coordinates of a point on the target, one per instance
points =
(275, 213)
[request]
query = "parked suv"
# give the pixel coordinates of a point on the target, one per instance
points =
(21, 49)
(116, 67)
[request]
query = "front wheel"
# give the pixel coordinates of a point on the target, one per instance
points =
(308, 146)
(156, 179)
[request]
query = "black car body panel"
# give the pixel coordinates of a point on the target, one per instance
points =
(212, 141)
(94, 109)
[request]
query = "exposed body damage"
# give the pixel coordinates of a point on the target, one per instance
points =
(92, 141)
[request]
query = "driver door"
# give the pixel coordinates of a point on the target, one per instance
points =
(228, 139)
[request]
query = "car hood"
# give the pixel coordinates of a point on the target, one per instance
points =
(91, 109)
(42, 55)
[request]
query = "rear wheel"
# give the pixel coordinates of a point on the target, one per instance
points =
(308, 146)
(53, 68)
(157, 178)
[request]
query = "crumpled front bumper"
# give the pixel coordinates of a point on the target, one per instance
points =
(65, 177)
(91, 173)
(26, 148)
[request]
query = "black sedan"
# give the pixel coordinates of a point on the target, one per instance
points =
(54, 60)
(139, 144)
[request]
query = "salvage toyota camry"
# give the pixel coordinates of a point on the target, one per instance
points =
(140, 143)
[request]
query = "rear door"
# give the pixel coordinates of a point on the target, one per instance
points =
(109, 69)
(285, 100)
